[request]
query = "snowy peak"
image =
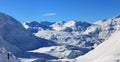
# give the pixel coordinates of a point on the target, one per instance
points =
(108, 51)
(58, 26)
(14, 34)
(104, 28)
(12, 31)
(25, 25)
(70, 26)
(118, 16)
(112, 20)
(37, 26)
(4, 19)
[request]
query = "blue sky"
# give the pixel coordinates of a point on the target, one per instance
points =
(56, 10)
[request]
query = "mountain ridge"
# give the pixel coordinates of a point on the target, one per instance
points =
(76, 38)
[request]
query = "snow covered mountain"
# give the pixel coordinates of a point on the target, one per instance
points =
(36, 26)
(71, 26)
(17, 40)
(14, 33)
(108, 51)
(104, 28)
(47, 41)
(75, 35)
(66, 35)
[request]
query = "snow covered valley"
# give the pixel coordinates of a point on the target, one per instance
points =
(72, 41)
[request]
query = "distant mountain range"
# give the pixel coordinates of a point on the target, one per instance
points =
(74, 35)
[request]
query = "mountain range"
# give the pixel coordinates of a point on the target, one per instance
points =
(55, 41)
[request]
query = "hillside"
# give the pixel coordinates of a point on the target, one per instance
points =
(108, 51)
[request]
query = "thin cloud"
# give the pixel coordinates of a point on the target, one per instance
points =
(49, 14)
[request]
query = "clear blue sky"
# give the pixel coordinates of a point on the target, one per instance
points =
(56, 10)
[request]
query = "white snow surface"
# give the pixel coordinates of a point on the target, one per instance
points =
(58, 26)
(25, 25)
(108, 51)
(4, 52)
(27, 59)
(70, 24)
(57, 51)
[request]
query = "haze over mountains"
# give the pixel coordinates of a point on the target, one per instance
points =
(48, 41)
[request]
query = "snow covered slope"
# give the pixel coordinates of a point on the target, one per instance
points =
(3, 56)
(13, 32)
(104, 28)
(4, 52)
(17, 40)
(59, 52)
(108, 51)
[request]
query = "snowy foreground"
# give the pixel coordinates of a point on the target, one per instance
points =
(108, 51)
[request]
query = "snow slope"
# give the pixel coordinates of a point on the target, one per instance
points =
(4, 52)
(104, 28)
(17, 40)
(13, 32)
(71, 41)
(58, 51)
(3, 56)
(108, 51)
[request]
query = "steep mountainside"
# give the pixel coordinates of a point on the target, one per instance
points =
(104, 28)
(13, 32)
(108, 51)
(18, 40)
